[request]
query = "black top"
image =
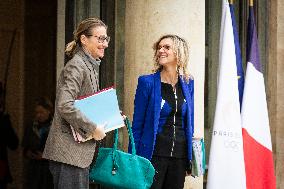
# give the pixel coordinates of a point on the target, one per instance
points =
(171, 140)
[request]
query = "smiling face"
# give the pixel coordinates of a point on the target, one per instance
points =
(93, 43)
(165, 53)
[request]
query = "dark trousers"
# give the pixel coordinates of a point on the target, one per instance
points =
(170, 172)
(69, 177)
(3, 185)
(37, 175)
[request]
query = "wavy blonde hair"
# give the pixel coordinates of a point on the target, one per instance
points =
(84, 28)
(181, 49)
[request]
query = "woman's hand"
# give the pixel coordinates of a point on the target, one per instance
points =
(188, 173)
(34, 155)
(189, 168)
(99, 133)
(38, 155)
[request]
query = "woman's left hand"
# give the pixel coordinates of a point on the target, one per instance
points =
(189, 168)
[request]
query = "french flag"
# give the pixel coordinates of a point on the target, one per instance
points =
(258, 153)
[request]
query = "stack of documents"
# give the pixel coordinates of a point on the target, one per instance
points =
(102, 109)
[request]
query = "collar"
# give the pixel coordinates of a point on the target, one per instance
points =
(91, 59)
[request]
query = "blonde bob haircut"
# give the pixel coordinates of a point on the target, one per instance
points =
(181, 49)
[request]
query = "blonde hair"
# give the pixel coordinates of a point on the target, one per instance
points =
(181, 49)
(84, 28)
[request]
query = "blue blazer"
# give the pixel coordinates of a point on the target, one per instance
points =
(147, 107)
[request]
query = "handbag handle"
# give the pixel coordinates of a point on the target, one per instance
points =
(129, 130)
(128, 125)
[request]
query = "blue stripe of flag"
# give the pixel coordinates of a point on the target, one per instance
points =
(252, 43)
(238, 56)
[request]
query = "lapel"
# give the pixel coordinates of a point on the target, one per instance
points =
(157, 100)
(185, 92)
(185, 89)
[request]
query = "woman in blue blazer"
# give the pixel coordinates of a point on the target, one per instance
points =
(163, 120)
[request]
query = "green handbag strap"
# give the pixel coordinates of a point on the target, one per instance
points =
(128, 125)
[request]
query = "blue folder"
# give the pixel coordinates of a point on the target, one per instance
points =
(102, 108)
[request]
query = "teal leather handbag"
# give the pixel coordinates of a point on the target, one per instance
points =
(117, 169)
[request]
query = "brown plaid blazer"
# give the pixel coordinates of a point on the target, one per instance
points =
(78, 78)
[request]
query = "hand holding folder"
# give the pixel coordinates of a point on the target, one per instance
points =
(100, 108)
(99, 133)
